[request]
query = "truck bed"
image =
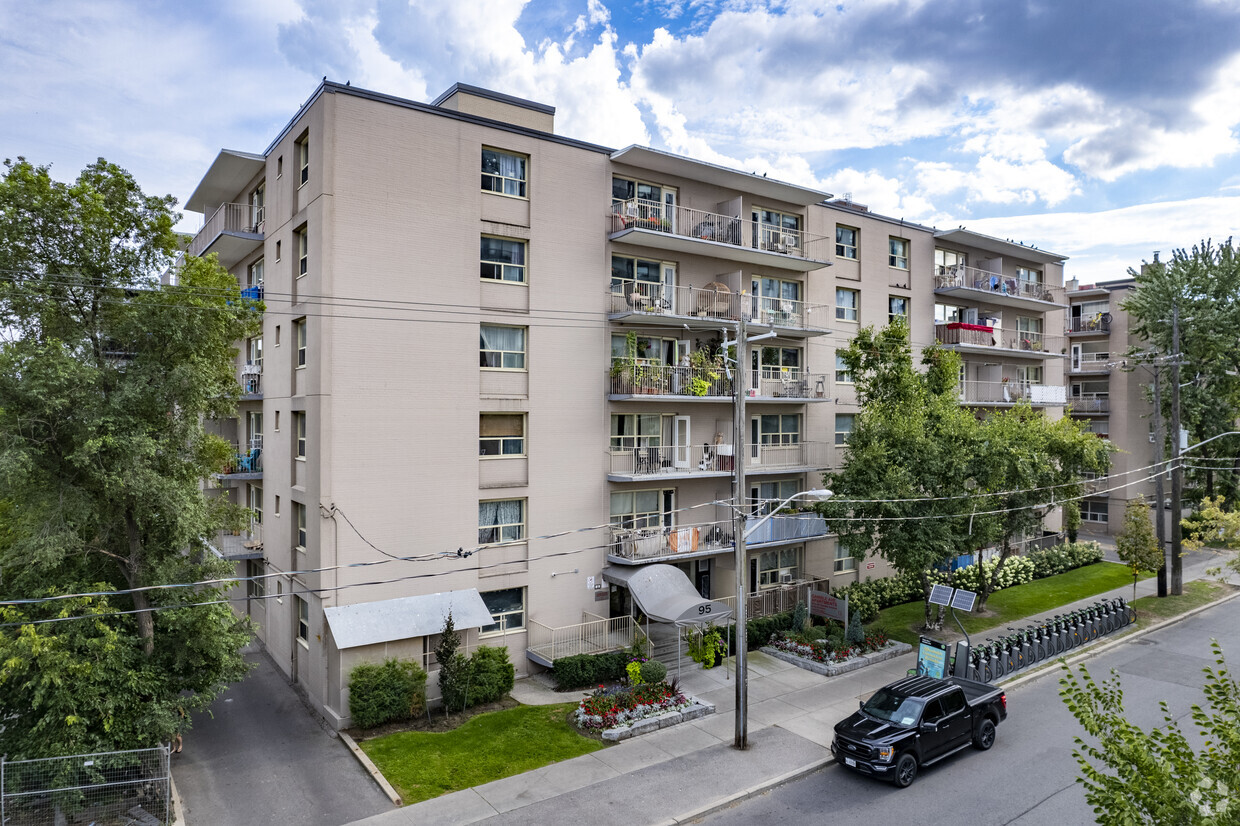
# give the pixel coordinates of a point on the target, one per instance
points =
(975, 693)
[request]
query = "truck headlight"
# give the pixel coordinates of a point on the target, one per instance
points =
(885, 754)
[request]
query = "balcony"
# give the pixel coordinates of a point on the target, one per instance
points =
(233, 231)
(695, 232)
(1099, 325)
(1090, 363)
(1087, 404)
(637, 546)
(980, 338)
(711, 461)
(244, 465)
(642, 381)
(704, 308)
(254, 293)
(252, 381)
(997, 289)
(239, 545)
(1004, 393)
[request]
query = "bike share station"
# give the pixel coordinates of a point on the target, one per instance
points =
(1020, 648)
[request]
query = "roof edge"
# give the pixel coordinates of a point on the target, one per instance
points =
(491, 94)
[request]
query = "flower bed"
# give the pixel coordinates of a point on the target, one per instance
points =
(624, 705)
(821, 657)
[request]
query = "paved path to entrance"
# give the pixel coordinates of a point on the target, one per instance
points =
(264, 758)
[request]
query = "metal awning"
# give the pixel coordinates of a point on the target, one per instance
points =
(367, 623)
(665, 594)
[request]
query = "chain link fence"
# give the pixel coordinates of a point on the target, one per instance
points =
(118, 788)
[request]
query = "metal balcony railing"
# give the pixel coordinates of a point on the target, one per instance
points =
(1090, 363)
(638, 213)
(973, 279)
(640, 377)
(694, 459)
(247, 461)
(1090, 403)
(656, 299)
(978, 335)
(1093, 324)
(240, 218)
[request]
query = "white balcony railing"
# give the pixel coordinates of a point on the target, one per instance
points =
(655, 299)
(1100, 323)
(979, 335)
(707, 458)
(996, 284)
(638, 213)
(1090, 403)
(592, 636)
(1090, 362)
(656, 542)
(640, 377)
(240, 218)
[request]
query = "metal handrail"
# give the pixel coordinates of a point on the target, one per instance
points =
(687, 301)
(639, 213)
(971, 278)
(228, 218)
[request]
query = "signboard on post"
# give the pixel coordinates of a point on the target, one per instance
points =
(932, 658)
(822, 604)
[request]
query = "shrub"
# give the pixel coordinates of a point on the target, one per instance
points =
(582, 670)
(490, 675)
(856, 632)
(453, 667)
(653, 671)
(378, 694)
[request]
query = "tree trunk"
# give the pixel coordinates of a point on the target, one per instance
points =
(988, 582)
(132, 572)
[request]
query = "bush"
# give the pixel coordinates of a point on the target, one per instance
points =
(490, 675)
(653, 671)
(856, 632)
(378, 694)
(582, 670)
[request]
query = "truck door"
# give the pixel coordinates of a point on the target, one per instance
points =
(933, 735)
(956, 724)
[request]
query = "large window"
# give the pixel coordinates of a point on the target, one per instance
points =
(254, 274)
(502, 259)
(254, 495)
(648, 349)
(632, 430)
(299, 330)
(769, 494)
(626, 189)
(842, 374)
(1028, 276)
(637, 508)
(504, 172)
(948, 262)
(501, 348)
(299, 524)
(897, 307)
(845, 242)
(299, 429)
(303, 620)
(844, 423)
(846, 304)
(844, 559)
(775, 360)
(774, 429)
(501, 434)
(948, 314)
(778, 566)
(501, 520)
(1094, 510)
(897, 253)
(258, 208)
(507, 609)
(778, 230)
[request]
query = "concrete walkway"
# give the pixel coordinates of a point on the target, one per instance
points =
(683, 773)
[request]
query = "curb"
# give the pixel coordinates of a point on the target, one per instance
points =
(178, 814)
(371, 769)
(745, 794)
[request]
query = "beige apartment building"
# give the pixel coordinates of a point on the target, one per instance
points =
(396, 473)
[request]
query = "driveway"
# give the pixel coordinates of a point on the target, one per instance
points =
(265, 758)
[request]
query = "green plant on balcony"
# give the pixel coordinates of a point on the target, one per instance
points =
(704, 370)
(623, 367)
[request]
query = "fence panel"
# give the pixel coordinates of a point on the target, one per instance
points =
(104, 788)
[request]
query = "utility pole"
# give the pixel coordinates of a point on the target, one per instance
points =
(738, 463)
(1177, 565)
(1160, 526)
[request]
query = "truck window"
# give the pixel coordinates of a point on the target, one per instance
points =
(934, 711)
(953, 702)
(894, 708)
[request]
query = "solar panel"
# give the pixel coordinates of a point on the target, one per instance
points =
(940, 595)
(963, 599)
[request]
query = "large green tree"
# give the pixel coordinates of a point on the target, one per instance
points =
(106, 378)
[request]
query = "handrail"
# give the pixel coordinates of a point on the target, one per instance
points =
(228, 218)
(643, 214)
(971, 278)
(687, 301)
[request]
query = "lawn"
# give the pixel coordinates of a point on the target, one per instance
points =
(1196, 594)
(422, 765)
(1033, 599)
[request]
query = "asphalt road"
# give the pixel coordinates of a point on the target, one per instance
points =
(1028, 778)
(264, 759)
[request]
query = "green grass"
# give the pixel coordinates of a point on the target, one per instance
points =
(422, 765)
(1196, 594)
(1033, 599)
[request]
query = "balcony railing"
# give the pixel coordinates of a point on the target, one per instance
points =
(592, 636)
(1090, 403)
(973, 279)
(780, 383)
(786, 527)
(778, 599)
(1090, 363)
(657, 542)
(244, 544)
(252, 379)
(979, 335)
(997, 392)
(655, 299)
(715, 459)
(249, 461)
(238, 218)
(1093, 324)
(643, 378)
(638, 213)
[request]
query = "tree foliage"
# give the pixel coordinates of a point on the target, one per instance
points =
(1136, 545)
(1212, 526)
(1157, 777)
(106, 377)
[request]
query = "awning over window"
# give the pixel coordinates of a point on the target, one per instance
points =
(665, 594)
(405, 618)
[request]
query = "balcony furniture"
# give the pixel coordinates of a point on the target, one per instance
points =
(249, 462)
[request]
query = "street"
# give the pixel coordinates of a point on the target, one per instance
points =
(1028, 778)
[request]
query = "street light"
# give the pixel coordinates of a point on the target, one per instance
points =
(742, 643)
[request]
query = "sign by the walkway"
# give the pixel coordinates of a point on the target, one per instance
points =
(940, 595)
(963, 599)
(822, 604)
(932, 658)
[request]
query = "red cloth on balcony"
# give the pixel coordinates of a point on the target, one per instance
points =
(960, 325)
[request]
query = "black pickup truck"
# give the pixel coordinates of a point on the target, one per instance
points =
(915, 722)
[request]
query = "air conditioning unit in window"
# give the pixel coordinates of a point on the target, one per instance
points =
(785, 579)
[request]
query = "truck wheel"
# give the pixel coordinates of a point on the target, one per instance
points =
(906, 771)
(984, 737)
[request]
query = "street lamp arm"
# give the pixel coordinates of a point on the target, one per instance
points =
(816, 495)
(1212, 438)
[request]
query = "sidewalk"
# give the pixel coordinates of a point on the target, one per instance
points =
(792, 714)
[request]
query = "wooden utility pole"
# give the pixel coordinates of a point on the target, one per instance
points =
(739, 383)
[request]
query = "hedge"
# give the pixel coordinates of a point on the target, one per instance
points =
(583, 670)
(395, 690)
(490, 675)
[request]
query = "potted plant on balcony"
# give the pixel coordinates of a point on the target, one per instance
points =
(622, 367)
(704, 371)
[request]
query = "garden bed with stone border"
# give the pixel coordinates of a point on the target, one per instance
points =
(894, 649)
(696, 709)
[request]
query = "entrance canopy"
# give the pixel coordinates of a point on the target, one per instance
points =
(367, 623)
(665, 594)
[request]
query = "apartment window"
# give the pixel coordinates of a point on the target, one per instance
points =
(1028, 276)
(255, 587)
(254, 351)
(778, 230)
(501, 434)
(845, 242)
(277, 509)
(299, 520)
(844, 559)
(769, 494)
(897, 307)
(501, 348)
(501, 520)
(502, 260)
(278, 247)
(1031, 375)
(1094, 510)
(258, 210)
(279, 167)
(844, 424)
(777, 295)
(1030, 331)
(254, 501)
(303, 620)
(897, 253)
(637, 508)
(254, 276)
(843, 375)
(948, 314)
(645, 283)
(277, 428)
(773, 429)
(776, 360)
(507, 609)
(299, 427)
(778, 566)
(626, 189)
(299, 331)
(846, 303)
(280, 591)
(504, 172)
(303, 160)
(303, 252)
(647, 348)
(633, 430)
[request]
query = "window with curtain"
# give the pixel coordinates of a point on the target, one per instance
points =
(897, 306)
(502, 260)
(846, 302)
(773, 566)
(503, 172)
(631, 430)
(844, 423)
(501, 520)
(636, 509)
(845, 242)
(501, 348)
(501, 434)
(842, 374)
(897, 253)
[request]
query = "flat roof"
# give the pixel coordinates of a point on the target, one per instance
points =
(228, 173)
(999, 246)
(878, 216)
(669, 164)
(490, 94)
(404, 618)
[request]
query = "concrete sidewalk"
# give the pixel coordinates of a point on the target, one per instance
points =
(683, 773)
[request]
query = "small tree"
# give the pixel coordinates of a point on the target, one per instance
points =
(1136, 544)
(1072, 519)
(453, 667)
(1212, 526)
(1157, 777)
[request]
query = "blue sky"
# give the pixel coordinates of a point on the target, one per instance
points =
(1102, 130)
